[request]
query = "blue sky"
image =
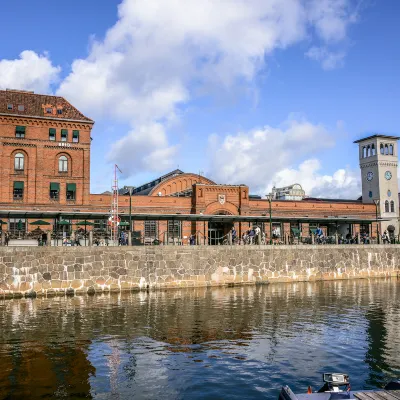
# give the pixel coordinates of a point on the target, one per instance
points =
(259, 92)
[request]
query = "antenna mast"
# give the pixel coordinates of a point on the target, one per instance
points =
(114, 208)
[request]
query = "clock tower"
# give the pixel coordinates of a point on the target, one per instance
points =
(378, 162)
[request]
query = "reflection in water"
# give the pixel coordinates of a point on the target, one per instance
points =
(203, 343)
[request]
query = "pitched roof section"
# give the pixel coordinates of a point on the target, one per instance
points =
(38, 105)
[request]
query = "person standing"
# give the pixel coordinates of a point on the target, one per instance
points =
(6, 238)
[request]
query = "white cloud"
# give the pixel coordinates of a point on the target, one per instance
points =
(267, 156)
(31, 71)
(328, 59)
(149, 61)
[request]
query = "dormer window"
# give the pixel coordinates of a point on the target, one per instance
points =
(21, 107)
(59, 111)
(49, 110)
(9, 106)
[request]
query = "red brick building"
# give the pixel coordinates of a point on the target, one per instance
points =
(45, 173)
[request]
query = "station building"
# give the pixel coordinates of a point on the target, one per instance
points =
(45, 172)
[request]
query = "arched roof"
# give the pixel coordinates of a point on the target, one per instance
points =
(179, 183)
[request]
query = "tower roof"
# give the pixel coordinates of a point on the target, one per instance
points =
(377, 136)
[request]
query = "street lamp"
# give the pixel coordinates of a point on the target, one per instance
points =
(269, 197)
(376, 201)
(130, 212)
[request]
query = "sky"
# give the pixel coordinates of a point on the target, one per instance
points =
(256, 92)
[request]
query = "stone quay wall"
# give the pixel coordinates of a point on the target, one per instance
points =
(34, 271)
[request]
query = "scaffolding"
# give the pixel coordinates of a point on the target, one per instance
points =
(114, 218)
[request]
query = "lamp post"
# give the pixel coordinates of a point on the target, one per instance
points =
(130, 212)
(269, 197)
(376, 201)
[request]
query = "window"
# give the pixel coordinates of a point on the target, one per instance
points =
(150, 229)
(19, 162)
(373, 150)
(174, 229)
(63, 164)
(71, 190)
(20, 131)
(21, 107)
(382, 151)
(17, 225)
(368, 151)
(59, 111)
(392, 206)
(9, 106)
(391, 149)
(100, 225)
(386, 206)
(64, 135)
(54, 190)
(18, 192)
(364, 152)
(52, 134)
(49, 110)
(386, 149)
(75, 136)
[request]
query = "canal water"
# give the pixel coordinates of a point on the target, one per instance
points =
(220, 343)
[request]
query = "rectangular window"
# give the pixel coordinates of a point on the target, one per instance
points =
(21, 107)
(75, 136)
(150, 229)
(17, 225)
(71, 191)
(64, 135)
(59, 111)
(20, 131)
(18, 192)
(9, 106)
(54, 190)
(174, 229)
(52, 134)
(49, 111)
(100, 225)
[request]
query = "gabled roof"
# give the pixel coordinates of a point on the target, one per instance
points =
(34, 106)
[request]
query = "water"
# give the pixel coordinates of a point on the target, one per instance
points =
(224, 343)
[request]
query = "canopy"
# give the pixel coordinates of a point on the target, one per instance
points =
(39, 222)
(63, 222)
(88, 223)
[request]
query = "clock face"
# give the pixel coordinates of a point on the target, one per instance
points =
(388, 175)
(370, 176)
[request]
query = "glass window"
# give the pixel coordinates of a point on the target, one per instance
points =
(21, 108)
(392, 206)
(9, 106)
(64, 135)
(20, 131)
(71, 190)
(17, 225)
(75, 136)
(59, 111)
(391, 149)
(63, 164)
(49, 111)
(382, 150)
(174, 229)
(19, 162)
(386, 206)
(54, 190)
(52, 134)
(18, 192)
(373, 150)
(386, 149)
(150, 229)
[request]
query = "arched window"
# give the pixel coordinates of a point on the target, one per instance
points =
(386, 149)
(391, 149)
(368, 151)
(387, 206)
(392, 206)
(63, 164)
(382, 151)
(373, 150)
(19, 162)
(364, 152)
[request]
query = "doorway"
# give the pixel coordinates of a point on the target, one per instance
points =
(216, 231)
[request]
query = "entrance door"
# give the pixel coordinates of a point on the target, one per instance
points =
(215, 233)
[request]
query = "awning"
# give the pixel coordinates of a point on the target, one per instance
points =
(18, 185)
(71, 187)
(55, 186)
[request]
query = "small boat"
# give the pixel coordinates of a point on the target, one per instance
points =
(337, 386)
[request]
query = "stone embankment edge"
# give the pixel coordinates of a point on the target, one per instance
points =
(64, 271)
